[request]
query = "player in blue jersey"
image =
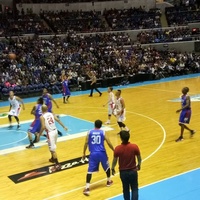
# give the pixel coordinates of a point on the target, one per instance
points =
(95, 142)
(185, 114)
(48, 102)
(65, 87)
(36, 125)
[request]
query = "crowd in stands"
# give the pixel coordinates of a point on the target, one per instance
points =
(40, 61)
(165, 35)
(182, 15)
(57, 1)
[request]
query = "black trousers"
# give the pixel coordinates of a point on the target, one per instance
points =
(93, 86)
(129, 180)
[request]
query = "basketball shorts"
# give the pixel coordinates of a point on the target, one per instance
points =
(66, 92)
(15, 111)
(49, 108)
(110, 108)
(122, 117)
(185, 116)
(95, 159)
(35, 126)
(52, 139)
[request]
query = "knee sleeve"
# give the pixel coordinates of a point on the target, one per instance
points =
(9, 117)
(17, 119)
(121, 124)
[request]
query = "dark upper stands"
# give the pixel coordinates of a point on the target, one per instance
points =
(22, 24)
(182, 15)
(79, 21)
(133, 18)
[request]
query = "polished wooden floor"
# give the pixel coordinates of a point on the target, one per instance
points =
(154, 127)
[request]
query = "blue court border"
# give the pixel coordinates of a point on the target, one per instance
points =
(79, 93)
(185, 186)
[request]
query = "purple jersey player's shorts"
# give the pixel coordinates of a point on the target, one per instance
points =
(96, 158)
(35, 126)
(49, 108)
(185, 116)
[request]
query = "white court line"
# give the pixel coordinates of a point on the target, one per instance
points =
(159, 181)
(163, 140)
(43, 142)
(2, 145)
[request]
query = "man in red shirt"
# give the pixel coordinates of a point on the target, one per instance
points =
(127, 154)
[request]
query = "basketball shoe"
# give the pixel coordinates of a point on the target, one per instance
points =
(109, 183)
(179, 139)
(86, 191)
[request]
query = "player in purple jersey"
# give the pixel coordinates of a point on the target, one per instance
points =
(65, 87)
(48, 102)
(36, 125)
(95, 141)
(185, 114)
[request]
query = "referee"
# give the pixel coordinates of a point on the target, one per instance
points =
(93, 83)
(127, 154)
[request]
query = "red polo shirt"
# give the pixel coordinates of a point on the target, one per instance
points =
(127, 155)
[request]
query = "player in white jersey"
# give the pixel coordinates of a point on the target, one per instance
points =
(110, 103)
(120, 111)
(48, 123)
(15, 107)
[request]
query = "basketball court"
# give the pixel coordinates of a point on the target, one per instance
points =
(169, 170)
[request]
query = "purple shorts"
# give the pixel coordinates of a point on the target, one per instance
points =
(96, 158)
(185, 116)
(35, 126)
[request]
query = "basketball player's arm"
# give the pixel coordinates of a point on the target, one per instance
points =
(52, 99)
(33, 110)
(21, 101)
(58, 120)
(108, 142)
(106, 103)
(187, 104)
(123, 105)
(10, 107)
(85, 147)
(42, 122)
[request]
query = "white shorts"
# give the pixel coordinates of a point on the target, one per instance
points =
(52, 139)
(122, 117)
(110, 108)
(15, 111)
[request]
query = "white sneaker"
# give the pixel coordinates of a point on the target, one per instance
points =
(108, 122)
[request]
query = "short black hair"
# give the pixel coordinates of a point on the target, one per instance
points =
(111, 88)
(124, 135)
(40, 100)
(98, 123)
(119, 91)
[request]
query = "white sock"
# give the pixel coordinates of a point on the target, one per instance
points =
(87, 185)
